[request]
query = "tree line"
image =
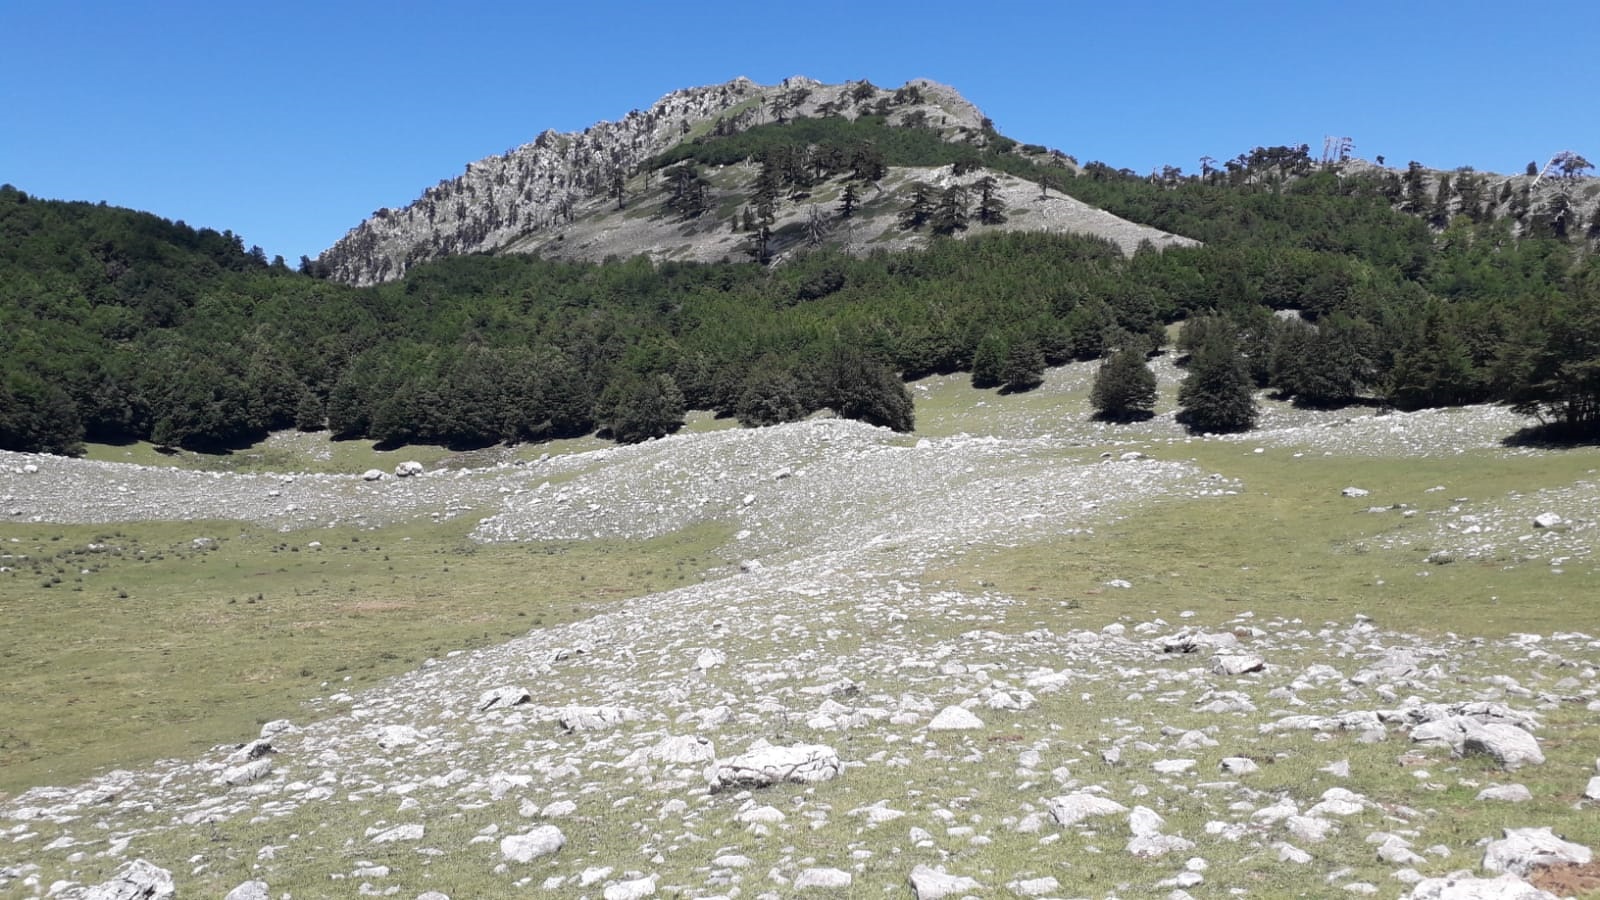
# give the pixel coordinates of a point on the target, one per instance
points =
(116, 325)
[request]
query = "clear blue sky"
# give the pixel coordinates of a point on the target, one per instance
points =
(289, 122)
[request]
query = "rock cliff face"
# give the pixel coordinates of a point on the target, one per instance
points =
(501, 199)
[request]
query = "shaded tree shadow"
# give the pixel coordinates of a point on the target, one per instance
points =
(1128, 418)
(1552, 436)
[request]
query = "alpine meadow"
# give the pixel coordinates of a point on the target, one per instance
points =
(808, 490)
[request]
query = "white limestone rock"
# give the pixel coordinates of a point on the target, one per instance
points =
(1070, 809)
(767, 765)
(1466, 887)
(250, 890)
(542, 841)
(1239, 765)
(1237, 664)
(503, 697)
(632, 889)
(822, 878)
(1524, 848)
(1506, 793)
(1509, 745)
(248, 773)
(409, 832)
(137, 880)
(955, 718)
(595, 718)
(932, 884)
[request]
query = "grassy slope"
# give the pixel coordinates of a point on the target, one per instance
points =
(167, 648)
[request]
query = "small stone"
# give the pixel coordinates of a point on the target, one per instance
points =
(1239, 664)
(822, 878)
(250, 890)
(1239, 765)
(1289, 853)
(1508, 793)
(411, 832)
(635, 889)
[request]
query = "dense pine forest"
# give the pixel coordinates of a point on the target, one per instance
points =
(118, 325)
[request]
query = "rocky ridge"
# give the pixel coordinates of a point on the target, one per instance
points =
(539, 185)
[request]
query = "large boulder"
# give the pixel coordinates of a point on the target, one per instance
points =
(1522, 849)
(768, 765)
(408, 469)
(137, 880)
(1509, 745)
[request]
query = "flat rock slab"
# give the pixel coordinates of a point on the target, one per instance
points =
(1506, 887)
(1524, 848)
(763, 766)
(1071, 809)
(932, 884)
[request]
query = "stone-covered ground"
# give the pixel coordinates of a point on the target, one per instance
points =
(922, 739)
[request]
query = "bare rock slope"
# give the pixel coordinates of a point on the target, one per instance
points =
(552, 196)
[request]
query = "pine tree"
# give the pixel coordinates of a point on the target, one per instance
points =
(920, 208)
(1216, 395)
(849, 200)
(950, 216)
(1124, 388)
(1023, 366)
(991, 209)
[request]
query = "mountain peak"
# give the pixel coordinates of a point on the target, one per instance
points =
(532, 189)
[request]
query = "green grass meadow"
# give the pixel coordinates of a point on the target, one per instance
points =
(129, 643)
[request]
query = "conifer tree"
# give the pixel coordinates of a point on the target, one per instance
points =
(1216, 395)
(950, 216)
(991, 209)
(1124, 387)
(849, 200)
(920, 208)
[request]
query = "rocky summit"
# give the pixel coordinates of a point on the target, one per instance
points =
(825, 715)
(596, 194)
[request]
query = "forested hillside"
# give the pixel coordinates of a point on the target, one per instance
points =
(119, 325)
